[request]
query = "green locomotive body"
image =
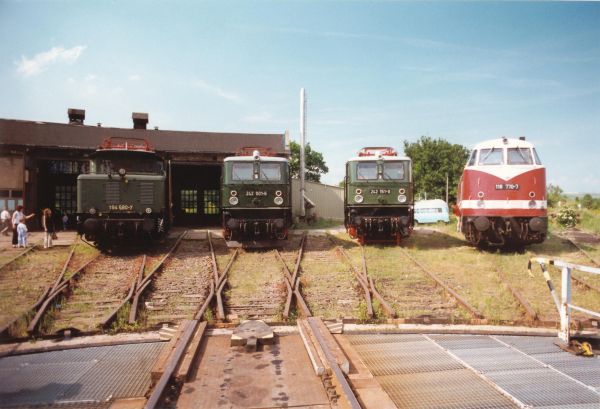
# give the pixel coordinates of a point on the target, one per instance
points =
(256, 198)
(123, 197)
(378, 196)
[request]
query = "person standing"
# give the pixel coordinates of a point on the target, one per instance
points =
(22, 234)
(5, 217)
(65, 221)
(48, 226)
(18, 217)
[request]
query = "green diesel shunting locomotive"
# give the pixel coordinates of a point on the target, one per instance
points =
(378, 196)
(256, 197)
(123, 195)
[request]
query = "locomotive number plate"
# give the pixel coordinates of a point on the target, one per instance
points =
(256, 193)
(507, 186)
(121, 207)
(381, 191)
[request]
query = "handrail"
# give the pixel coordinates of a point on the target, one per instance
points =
(564, 305)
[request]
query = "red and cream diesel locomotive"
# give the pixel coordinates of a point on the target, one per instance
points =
(502, 194)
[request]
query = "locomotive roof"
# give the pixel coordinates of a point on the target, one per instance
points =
(251, 159)
(372, 158)
(500, 143)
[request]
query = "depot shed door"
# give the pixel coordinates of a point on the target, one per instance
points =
(196, 194)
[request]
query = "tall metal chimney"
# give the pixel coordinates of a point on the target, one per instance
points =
(302, 143)
(76, 116)
(140, 120)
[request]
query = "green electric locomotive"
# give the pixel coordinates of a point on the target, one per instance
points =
(256, 198)
(122, 198)
(378, 196)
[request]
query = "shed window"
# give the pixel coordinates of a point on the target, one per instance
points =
(189, 201)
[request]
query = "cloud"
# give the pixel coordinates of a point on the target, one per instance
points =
(135, 77)
(28, 67)
(212, 89)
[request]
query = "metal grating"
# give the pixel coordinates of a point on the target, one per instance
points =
(112, 193)
(124, 373)
(78, 376)
(456, 389)
(417, 374)
(585, 370)
(543, 387)
(362, 339)
(465, 341)
(147, 193)
(531, 345)
(495, 359)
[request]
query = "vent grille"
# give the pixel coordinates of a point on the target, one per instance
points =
(147, 193)
(112, 193)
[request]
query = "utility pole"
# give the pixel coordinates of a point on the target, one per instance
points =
(302, 143)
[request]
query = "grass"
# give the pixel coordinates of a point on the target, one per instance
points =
(320, 223)
(590, 220)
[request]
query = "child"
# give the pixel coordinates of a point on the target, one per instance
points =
(65, 221)
(22, 233)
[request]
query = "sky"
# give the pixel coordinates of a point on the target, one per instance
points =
(375, 72)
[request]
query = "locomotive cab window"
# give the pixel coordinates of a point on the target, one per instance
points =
(473, 158)
(366, 171)
(110, 164)
(242, 171)
(537, 158)
(519, 156)
(493, 156)
(270, 171)
(393, 170)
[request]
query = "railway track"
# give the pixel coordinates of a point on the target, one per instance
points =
(330, 288)
(98, 291)
(182, 285)
(24, 282)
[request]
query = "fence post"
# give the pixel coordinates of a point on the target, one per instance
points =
(565, 310)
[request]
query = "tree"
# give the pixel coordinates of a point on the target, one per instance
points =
(555, 194)
(315, 164)
(587, 201)
(433, 159)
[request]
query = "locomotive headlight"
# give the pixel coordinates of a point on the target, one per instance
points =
(358, 199)
(532, 204)
(148, 210)
(278, 193)
(233, 193)
(358, 191)
(402, 198)
(233, 200)
(401, 191)
(480, 203)
(93, 210)
(480, 194)
(122, 171)
(532, 194)
(278, 200)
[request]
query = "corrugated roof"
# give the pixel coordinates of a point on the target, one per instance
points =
(49, 134)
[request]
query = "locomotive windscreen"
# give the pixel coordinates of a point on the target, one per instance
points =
(109, 163)
(264, 171)
(387, 170)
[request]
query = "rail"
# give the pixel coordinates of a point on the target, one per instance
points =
(564, 304)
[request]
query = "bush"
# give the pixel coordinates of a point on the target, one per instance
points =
(566, 217)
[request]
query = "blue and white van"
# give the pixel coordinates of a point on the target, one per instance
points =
(431, 211)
